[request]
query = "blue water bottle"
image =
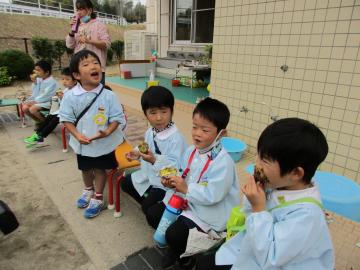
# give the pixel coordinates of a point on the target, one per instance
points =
(172, 210)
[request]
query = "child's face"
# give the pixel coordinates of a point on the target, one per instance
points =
(41, 73)
(159, 117)
(274, 180)
(67, 81)
(89, 72)
(203, 132)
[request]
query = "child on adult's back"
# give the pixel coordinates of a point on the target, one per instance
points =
(285, 224)
(166, 146)
(209, 181)
(94, 117)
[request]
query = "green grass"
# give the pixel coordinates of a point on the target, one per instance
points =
(182, 93)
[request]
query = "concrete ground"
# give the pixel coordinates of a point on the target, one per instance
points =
(107, 241)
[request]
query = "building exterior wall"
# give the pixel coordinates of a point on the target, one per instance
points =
(151, 16)
(164, 33)
(319, 42)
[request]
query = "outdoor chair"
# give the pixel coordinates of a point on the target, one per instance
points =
(123, 166)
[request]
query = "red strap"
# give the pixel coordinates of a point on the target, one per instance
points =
(186, 171)
(205, 168)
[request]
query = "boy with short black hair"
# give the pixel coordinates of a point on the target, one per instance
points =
(43, 89)
(285, 223)
(209, 181)
(52, 120)
(94, 117)
(166, 147)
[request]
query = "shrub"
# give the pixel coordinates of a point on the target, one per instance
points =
(118, 47)
(59, 50)
(5, 79)
(110, 55)
(18, 63)
(43, 49)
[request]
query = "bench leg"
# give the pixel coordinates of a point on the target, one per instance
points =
(110, 186)
(63, 136)
(21, 115)
(117, 212)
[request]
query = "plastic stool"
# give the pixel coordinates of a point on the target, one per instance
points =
(339, 194)
(123, 165)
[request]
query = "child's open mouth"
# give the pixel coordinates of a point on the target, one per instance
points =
(94, 74)
(196, 141)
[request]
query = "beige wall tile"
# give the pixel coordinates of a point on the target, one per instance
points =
(319, 41)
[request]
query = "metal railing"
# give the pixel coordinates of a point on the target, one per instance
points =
(37, 9)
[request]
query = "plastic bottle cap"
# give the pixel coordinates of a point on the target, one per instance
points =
(176, 202)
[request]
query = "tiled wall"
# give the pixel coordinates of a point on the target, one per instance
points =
(319, 42)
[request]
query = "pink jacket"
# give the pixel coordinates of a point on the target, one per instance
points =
(93, 30)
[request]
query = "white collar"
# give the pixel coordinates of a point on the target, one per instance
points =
(79, 90)
(48, 78)
(290, 195)
(163, 135)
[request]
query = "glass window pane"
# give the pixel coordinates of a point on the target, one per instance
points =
(204, 26)
(183, 19)
(183, 4)
(203, 4)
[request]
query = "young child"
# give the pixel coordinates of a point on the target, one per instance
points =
(95, 133)
(44, 88)
(52, 120)
(166, 147)
(285, 224)
(209, 181)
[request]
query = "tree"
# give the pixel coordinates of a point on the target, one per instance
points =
(108, 8)
(118, 48)
(59, 50)
(140, 12)
(43, 48)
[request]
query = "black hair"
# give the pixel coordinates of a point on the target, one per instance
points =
(86, 4)
(78, 57)
(66, 72)
(293, 142)
(156, 97)
(44, 65)
(214, 111)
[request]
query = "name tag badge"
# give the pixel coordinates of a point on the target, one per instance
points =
(100, 118)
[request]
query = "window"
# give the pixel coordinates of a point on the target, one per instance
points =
(183, 19)
(193, 21)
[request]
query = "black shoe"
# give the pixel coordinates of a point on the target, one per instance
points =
(187, 263)
(168, 261)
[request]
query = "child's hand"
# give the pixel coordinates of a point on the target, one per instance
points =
(83, 139)
(99, 135)
(132, 155)
(149, 157)
(255, 193)
(179, 184)
(166, 182)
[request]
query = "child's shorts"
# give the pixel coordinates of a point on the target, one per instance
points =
(104, 162)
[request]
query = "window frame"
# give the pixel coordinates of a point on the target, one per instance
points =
(192, 39)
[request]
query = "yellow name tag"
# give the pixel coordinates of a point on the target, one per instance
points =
(100, 119)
